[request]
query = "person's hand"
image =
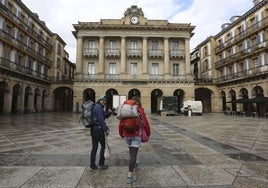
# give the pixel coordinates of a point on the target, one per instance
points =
(107, 132)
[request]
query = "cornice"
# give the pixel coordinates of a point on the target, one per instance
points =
(243, 17)
(99, 26)
(33, 15)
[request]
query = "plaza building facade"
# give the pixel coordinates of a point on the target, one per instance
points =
(235, 60)
(133, 56)
(35, 72)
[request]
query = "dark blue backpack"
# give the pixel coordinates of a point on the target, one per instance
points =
(87, 114)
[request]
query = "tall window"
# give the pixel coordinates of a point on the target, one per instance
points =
(91, 68)
(175, 70)
(134, 69)
(155, 71)
(246, 67)
(234, 70)
(91, 44)
(59, 49)
(112, 68)
(262, 36)
(154, 45)
(175, 45)
(112, 44)
(133, 44)
(224, 73)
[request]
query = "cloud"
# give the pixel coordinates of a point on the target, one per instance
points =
(206, 15)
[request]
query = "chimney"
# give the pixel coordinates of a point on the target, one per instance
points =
(255, 2)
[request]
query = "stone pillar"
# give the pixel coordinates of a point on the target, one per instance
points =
(144, 56)
(8, 101)
(123, 55)
(101, 57)
(187, 58)
(79, 55)
(166, 57)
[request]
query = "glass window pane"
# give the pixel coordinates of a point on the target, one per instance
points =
(134, 70)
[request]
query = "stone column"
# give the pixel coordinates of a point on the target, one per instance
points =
(187, 58)
(144, 56)
(79, 55)
(166, 56)
(123, 55)
(101, 57)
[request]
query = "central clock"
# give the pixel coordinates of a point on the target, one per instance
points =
(134, 20)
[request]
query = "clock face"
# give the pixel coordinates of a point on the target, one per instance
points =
(134, 20)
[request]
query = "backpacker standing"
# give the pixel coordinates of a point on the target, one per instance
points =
(133, 139)
(98, 132)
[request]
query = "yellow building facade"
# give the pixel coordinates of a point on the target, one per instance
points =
(133, 56)
(35, 71)
(236, 61)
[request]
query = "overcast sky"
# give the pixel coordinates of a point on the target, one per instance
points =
(206, 15)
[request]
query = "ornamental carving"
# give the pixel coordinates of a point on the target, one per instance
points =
(134, 10)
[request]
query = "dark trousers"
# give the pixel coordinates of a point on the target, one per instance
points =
(97, 136)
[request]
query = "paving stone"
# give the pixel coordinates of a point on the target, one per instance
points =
(210, 151)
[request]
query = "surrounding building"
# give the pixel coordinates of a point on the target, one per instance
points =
(236, 61)
(133, 56)
(35, 72)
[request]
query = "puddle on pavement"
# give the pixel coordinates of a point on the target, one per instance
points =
(225, 149)
(246, 157)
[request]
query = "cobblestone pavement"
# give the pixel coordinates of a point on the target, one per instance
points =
(212, 150)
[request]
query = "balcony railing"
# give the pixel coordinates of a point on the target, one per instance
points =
(61, 80)
(90, 52)
(243, 34)
(17, 68)
(9, 38)
(246, 52)
(260, 70)
(22, 24)
(176, 53)
(156, 53)
(112, 52)
(134, 53)
(118, 77)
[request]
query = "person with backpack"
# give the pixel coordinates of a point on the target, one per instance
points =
(133, 138)
(98, 132)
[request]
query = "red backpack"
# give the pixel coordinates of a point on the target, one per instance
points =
(129, 116)
(128, 109)
(130, 124)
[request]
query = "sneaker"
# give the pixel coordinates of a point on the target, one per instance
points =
(103, 167)
(131, 179)
(93, 168)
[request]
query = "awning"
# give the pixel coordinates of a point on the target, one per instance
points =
(252, 100)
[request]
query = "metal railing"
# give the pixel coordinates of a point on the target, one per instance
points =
(260, 70)
(12, 66)
(246, 52)
(6, 36)
(20, 22)
(243, 34)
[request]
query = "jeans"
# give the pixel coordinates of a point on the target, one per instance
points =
(97, 136)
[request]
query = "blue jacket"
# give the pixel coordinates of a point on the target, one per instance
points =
(101, 115)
